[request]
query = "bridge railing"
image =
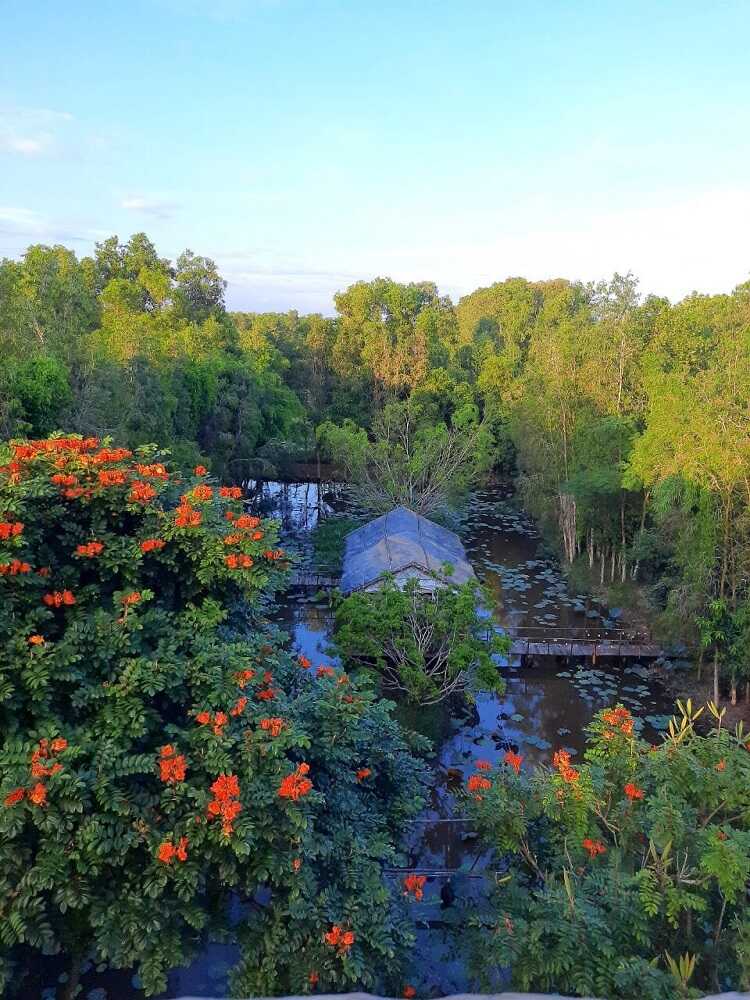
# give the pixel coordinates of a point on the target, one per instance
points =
(558, 634)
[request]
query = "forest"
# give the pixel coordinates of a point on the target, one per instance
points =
(621, 418)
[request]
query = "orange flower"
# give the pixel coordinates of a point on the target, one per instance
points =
(295, 785)
(256, 536)
(200, 470)
(232, 539)
(325, 672)
(482, 765)
(477, 782)
(13, 797)
(152, 544)
(203, 718)
(240, 561)
(313, 978)
(267, 695)
(239, 707)
(59, 598)
(172, 766)
(247, 523)
(409, 992)
(141, 492)
(414, 885)
(721, 766)
(362, 773)
(230, 492)
(297, 864)
(187, 516)
(304, 662)
(89, 550)
(594, 847)
(633, 791)
(272, 725)
(60, 479)
(14, 567)
(36, 640)
(157, 471)
(243, 676)
(132, 598)
(338, 938)
(111, 477)
(38, 794)
(514, 760)
(166, 852)
(202, 493)
(274, 554)
(10, 529)
(220, 720)
(561, 760)
(59, 744)
(226, 790)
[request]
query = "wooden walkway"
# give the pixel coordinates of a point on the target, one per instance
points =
(304, 580)
(557, 640)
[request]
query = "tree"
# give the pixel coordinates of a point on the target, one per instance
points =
(161, 753)
(426, 647)
(410, 461)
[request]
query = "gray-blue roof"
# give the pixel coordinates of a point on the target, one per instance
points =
(398, 541)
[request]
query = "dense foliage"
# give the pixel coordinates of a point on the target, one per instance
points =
(424, 646)
(623, 418)
(162, 757)
(619, 867)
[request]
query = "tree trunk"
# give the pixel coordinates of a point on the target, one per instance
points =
(716, 676)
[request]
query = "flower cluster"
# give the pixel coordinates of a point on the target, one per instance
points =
(593, 847)
(172, 766)
(167, 851)
(155, 471)
(128, 600)
(239, 561)
(324, 671)
(339, 938)
(141, 492)
(42, 765)
(272, 725)
(187, 516)
(14, 567)
(217, 721)
(152, 545)
(414, 885)
(362, 773)
(296, 785)
(242, 677)
(225, 803)
(633, 791)
(477, 784)
(58, 598)
(10, 529)
(514, 760)
(619, 719)
(561, 761)
(230, 492)
(304, 662)
(90, 550)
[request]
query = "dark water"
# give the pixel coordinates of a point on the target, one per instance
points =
(546, 705)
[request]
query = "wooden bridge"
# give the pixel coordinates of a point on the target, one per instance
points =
(559, 640)
(302, 579)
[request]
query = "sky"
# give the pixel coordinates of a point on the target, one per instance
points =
(307, 144)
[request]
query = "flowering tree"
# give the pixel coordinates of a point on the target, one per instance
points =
(618, 864)
(159, 754)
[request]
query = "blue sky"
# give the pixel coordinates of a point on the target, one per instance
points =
(307, 143)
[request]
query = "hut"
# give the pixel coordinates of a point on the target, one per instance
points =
(403, 545)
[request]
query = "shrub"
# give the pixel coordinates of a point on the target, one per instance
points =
(618, 865)
(162, 755)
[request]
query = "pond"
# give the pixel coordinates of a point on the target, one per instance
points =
(546, 705)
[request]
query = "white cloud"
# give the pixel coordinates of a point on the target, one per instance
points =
(157, 208)
(31, 131)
